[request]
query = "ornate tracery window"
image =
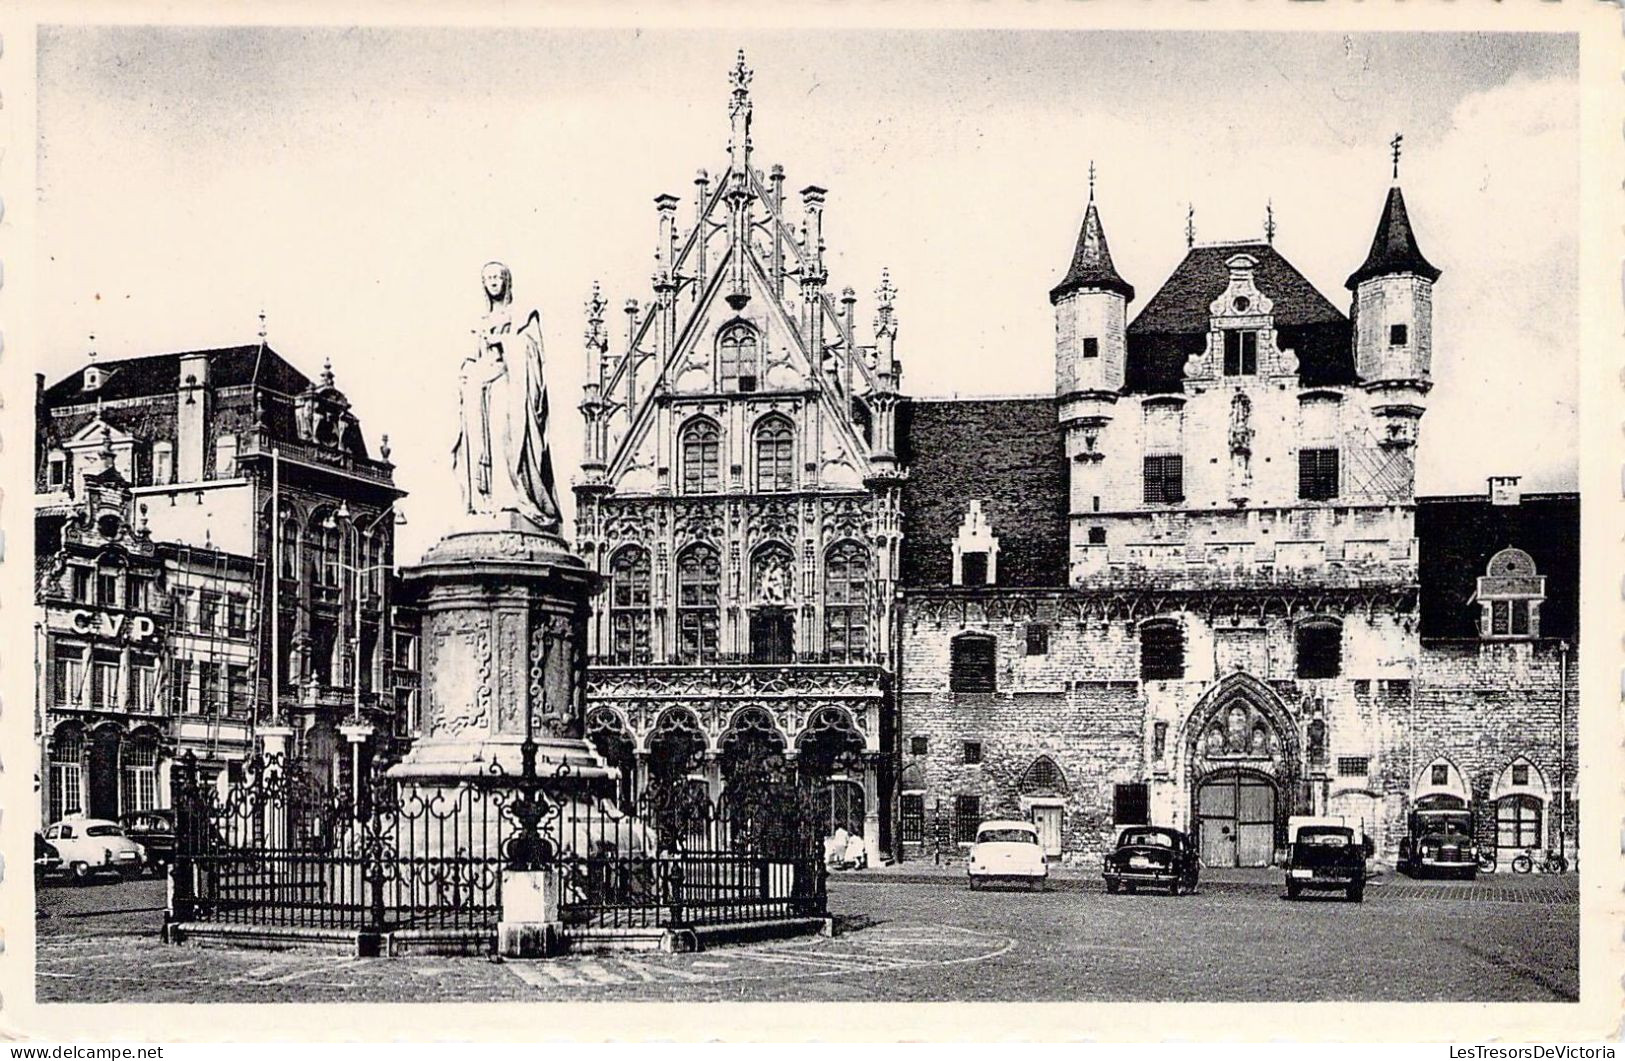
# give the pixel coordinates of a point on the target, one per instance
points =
(701, 450)
(698, 604)
(629, 606)
(775, 455)
(737, 368)
(846, 603)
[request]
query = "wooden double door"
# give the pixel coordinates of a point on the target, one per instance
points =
(1235, 813)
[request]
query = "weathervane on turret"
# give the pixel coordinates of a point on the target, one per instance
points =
(1394, 144)
(1091, 180)
(1190, 225)
(1269, 222)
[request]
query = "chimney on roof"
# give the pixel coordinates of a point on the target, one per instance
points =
(191, 417)
(1504, 490)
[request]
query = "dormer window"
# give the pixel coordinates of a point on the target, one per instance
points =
(1509, 597)
(56, 471)
(1091, 347)
(1240, 352)
(976, 550)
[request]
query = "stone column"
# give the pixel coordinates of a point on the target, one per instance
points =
(871, 806)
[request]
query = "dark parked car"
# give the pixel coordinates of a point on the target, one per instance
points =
(47, 860)
(154, 830)
(1326, 857)
(1152, 855)
(1439, 840)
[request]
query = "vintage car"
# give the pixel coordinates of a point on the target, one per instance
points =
(92, 846)
(1152, 855)
(154, 830)
(1326, 857)
(1007, 851)
(1439, 841)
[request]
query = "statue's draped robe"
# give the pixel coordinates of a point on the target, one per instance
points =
(501, 457)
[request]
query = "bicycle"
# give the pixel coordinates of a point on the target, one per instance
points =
(1551, 862)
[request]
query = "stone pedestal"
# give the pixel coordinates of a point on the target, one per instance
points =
(504, 657)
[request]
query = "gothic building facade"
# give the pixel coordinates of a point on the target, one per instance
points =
(182, 500)
(1193, 588)
(740, 493)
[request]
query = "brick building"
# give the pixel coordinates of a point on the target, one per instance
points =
(1193, 587)
(157, 569)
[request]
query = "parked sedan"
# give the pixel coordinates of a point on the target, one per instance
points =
(154, 830)
(47, 860)
(1152, 855)
(1328, 857)
(1007, 851)
(91, 846)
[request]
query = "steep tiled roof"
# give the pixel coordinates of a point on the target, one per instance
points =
(1009, 454)
(1091, 262)
(1393, 248)
(156, 374)
(1174, 323)
(1456, 536)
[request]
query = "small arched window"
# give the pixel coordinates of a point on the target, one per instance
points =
(701, 452)
(1043, 778)
(775, 455)
(67, 772)
(629, 607)
(1162, 650)
(737, 364)
(698, 604)
(973, 664)
(289, 547)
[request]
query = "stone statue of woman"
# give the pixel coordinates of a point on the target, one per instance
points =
(502, 458)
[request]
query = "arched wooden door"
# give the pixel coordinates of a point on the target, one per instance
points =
(1235, 813)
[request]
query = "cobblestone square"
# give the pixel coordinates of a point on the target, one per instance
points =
(907, 934)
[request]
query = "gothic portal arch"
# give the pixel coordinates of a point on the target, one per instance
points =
(1242, 768)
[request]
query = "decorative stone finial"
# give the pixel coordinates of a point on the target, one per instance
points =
(327, 372)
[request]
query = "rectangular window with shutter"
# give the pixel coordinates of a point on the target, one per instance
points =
(1317, 474)
(971, 665)
(1164, 479)
(1240, 353)
(1131, 804)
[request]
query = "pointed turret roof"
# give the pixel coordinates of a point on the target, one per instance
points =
(1091, 262)
(1393, 249)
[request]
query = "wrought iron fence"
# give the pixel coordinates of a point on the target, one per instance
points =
(287, 848)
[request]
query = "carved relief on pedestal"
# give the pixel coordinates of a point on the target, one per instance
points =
(457, 665)
(509, 660)
(551, 692)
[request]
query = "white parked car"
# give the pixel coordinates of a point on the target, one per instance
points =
(1007, 851)
(90, 846)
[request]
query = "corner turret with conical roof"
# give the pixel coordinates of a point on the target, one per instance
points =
(1091, 308)
(1392, 313)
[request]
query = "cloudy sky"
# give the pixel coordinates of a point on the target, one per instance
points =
(352, 182)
